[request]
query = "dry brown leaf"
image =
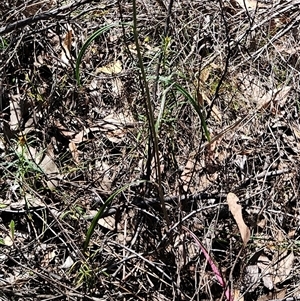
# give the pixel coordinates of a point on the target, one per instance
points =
(203, 94)
(51, 170)
(262, 223)
(251, 4)
(18, 205)
(188, 171)
(154, 166)
(264, 263)
(288, 50)
(49, 256)
(63, 130)
(68, 263)
(108, 222)
(116, 126)
(296, 130)
(277, 270)
(112, 68)
(251, 277)
(66, 45)
(205, 73)
(8, 241)
(116, 136)
(44, 161)
(72, 136)
(277, 96)
(280, 236)
(273, 296)
(80, 137)
(237, 295)
(283, 267)
(38, 7)
(292, 233)
(236, 211)
(74, 151)
(33, 201)
(15, 112)
(116, 87)
(206, 180)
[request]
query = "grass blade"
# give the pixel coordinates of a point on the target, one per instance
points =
(96, 218)
(88, 42)
(197, 108)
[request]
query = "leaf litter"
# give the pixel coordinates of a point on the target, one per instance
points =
(88, 141)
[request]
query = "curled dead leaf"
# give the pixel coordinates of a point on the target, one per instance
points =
(276, 96)
(276, 270)
(236, 211)
(66, 45)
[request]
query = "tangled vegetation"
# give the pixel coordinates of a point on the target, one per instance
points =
(149, 150)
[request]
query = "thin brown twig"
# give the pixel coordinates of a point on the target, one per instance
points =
(54, 13)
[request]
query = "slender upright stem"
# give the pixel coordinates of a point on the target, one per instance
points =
(150, 115)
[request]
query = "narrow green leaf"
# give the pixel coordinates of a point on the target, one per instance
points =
(197, 108)
(12, 229)
(96, 218)
(88, 42)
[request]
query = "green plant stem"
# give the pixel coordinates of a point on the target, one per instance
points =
(86, 44)
(197, 108)
(99, 214)
(150, 116)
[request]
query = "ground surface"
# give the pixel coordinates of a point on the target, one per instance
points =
(85, 161)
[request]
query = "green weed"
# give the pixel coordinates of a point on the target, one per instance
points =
(3, 44)
(12, 229)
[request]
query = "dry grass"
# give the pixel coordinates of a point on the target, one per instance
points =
(66, 148)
